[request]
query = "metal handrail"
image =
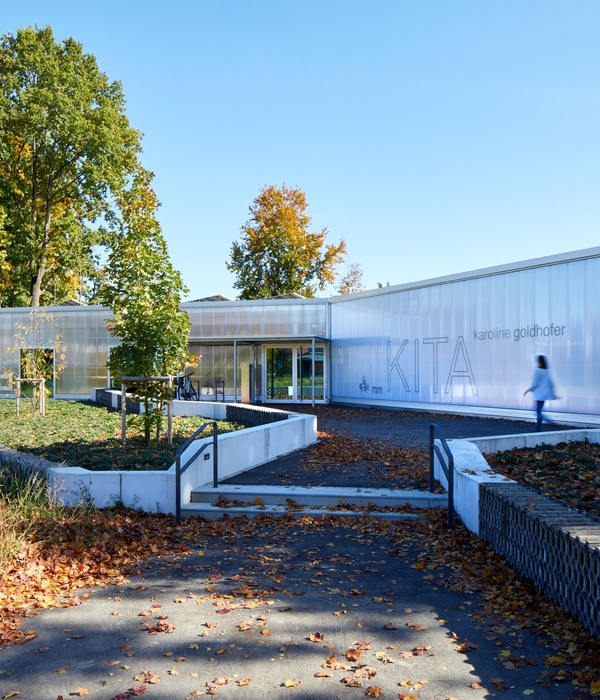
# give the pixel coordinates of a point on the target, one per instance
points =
(180, 469)
(447, 467)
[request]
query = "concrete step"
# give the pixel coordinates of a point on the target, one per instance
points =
(249, 500)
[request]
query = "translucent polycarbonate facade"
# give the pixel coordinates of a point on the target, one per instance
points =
(269, 319)
(229, 340)
(220, 370)
(87, 342)
(465, 342)
(472, 341)
(84, 337)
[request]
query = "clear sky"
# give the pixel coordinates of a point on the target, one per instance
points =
(434, 136)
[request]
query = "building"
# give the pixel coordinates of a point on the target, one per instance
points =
(463, 343)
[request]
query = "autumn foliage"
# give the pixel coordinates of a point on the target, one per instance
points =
(238, 568)
(277, 254)
(568, 472)
(82, 548)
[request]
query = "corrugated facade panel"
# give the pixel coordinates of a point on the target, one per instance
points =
(87, 343)
(230, 320)
(466, 341)
(85, 339)
(472, 342)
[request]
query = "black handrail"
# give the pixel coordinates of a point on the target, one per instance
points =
(448, 467)
(180, 469)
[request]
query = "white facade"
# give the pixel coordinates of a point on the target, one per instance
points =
(464, 343)
(468, 342)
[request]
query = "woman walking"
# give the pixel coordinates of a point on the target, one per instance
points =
(542, 387)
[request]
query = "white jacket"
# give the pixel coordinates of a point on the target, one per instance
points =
(542, 386)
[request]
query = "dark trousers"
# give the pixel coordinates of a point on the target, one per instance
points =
(538, 409)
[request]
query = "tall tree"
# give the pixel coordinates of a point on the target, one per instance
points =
(144, 291)
(66, 151)
(277, 253)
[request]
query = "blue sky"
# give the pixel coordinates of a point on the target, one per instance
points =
(433, 136)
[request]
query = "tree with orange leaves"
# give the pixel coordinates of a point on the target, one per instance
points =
(277, 253)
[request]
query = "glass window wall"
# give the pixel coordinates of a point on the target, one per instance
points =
(224, 372)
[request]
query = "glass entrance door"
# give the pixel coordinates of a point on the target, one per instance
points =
(280, 374)
(304, 374)
(289, 375)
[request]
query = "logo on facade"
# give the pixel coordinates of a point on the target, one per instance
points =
(407, 364)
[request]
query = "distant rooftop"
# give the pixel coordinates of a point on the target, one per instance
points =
(220, 297)
(72, 302)
(216, 297)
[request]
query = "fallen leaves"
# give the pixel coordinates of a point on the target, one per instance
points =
(159, 627)
(353, 654)
(147, 676)
(345, 569)
(373, 691)
(390, 462)
(82, 549)
(567, 472)
(414, 685)
(417, 627)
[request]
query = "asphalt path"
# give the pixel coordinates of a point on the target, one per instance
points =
(361, 430)
(305, 609)
(269, 611)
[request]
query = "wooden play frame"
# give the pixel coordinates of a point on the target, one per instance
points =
(39, 383)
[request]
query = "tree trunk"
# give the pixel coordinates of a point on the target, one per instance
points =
(36, 290)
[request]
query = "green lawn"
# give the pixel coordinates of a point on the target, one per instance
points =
(82, 434)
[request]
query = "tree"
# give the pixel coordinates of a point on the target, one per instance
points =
(277, 253)
(351, 281)
(66, 150)
(144, 291)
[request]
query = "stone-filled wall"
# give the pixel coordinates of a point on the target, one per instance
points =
(254, 415)
(556, 547)
(104, 397)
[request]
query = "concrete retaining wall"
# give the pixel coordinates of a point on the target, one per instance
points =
(471, 471)
(154, 491)
(557, 547)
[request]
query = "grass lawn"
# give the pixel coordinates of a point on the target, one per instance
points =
(83, 434)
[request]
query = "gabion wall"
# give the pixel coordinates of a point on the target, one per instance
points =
(254, 415)
(556, 547)
(23, 461)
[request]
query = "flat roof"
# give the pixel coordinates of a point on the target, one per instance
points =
(559, 259)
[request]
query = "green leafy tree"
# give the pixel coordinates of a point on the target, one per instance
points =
(66, 151)
(144, 291)
(277, 253)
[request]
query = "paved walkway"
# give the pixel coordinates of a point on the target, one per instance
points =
(296, 609)
(363, 431)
